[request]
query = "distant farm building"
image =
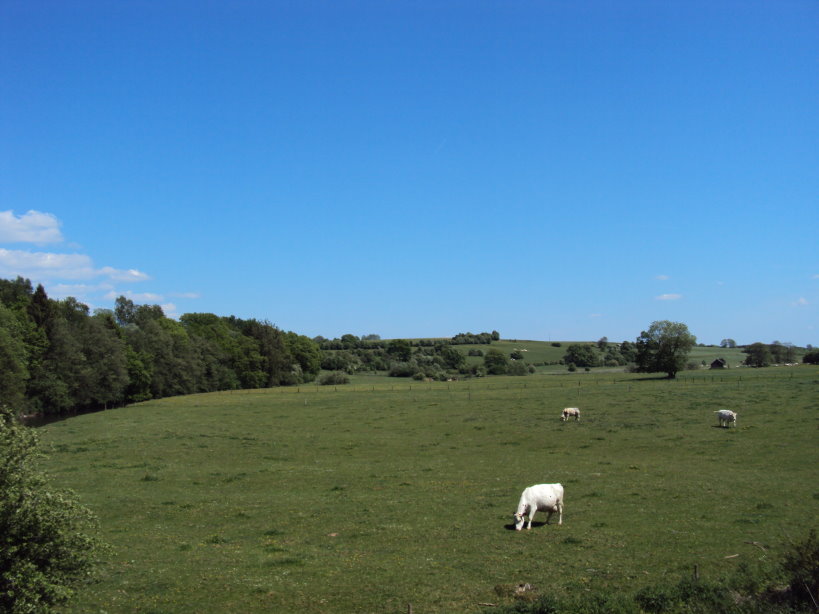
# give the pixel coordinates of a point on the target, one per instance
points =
(719, 363)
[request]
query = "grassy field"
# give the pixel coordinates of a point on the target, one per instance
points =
(368, 497)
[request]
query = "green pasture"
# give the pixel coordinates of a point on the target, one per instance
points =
(376, 495)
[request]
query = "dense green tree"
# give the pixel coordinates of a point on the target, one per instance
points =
(13, 358)
(124, 311)
(16, 295)
(628, 351)
(277, 364)
(496, 362)
(758, 355)
(517, 367)
(664, 347)
(305, 353)
(140, 372)
(727, 343)
(349, 342)
(340, 360)
(811, 358)
(451, 357)
(399, 349)
(48, 544)
(581, 355)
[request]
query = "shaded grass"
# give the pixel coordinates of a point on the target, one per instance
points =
(364, 500)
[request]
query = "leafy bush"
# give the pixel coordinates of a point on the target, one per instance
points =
(334, 378)
(801, 563)
(517, 367)
(811, 358)
(495, 362)
(404, 369)
(47, 544)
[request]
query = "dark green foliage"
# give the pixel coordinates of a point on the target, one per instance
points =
(334, 378)
(664, 348)
(47, 545)
(56, 358)
(582, 355)
(801, 563)
(628, 351)
(496, 362)
(517, 367)
(13, 358)
(399, 349)
(451, 357)
(306, 354)
(758, 355)
(811, 357)
(480, 338)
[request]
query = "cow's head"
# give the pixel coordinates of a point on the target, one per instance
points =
(519, 520)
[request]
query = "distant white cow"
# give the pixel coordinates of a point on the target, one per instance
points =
(569, 412)
(540, 498)
(726, 417)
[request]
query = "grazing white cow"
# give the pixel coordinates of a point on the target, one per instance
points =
(726, 417)
(569, 412)
(540, 498)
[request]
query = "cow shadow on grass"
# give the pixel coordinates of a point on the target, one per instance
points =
(535, 525)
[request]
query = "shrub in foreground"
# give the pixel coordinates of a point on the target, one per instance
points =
(47, 541)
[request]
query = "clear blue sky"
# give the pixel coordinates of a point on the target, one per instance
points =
(552, 170)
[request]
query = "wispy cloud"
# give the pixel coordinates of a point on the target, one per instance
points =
(668, 297)
(68, 274)
(52, 266)
(131, 275)
(800, 302)
(662, 277)
(32, 227)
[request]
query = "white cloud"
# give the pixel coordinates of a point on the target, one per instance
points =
(668, 297)
(50, 266)
(131, 275)
(78, 291)
(662, 277)
(38, 265)
(815, 277)
(595, 315)
(31, 227)
(800, 302)
(169, 309)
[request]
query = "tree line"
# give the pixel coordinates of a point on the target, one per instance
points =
(56, 357)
